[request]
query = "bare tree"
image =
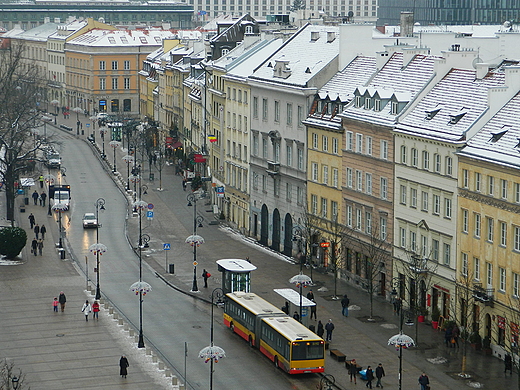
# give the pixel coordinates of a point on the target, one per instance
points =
(160, 162)
(8, 372)
(336, 238)
(20, 91)
(308, 225)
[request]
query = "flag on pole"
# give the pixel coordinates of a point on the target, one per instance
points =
(212, 138)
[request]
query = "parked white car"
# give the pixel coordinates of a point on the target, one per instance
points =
(89, 220)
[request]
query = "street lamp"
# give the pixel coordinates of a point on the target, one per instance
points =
(45, 119)
(213, 352)
(77, 110)
(328, 381)
(59, 208)
(55, 103)
(98, 249)
(301, 280)
(194, 240)
(15, 382)
(128, 159)
(114, 145)
(401, 341)
(49, 179)
(102, 131)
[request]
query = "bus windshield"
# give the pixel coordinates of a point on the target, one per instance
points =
(307, 350)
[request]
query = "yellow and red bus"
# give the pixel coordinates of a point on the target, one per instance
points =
(289, 344)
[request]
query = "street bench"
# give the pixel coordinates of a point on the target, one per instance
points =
(66, 127)
(338, 355)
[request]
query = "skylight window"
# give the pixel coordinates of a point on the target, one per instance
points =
(158, 39)
(454, 119)
(430, 114)
(124, 40)
(112, 40)
(496, 136)
(143, 40)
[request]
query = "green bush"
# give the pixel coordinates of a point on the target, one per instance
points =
(12, 241)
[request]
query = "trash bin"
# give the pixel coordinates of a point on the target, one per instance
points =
(26, 201)
(152, 176)
(62, 253)
(171, 268)
(22, 208)
(312, 328)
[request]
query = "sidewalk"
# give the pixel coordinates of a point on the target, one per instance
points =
(354, 336)
(61, 351)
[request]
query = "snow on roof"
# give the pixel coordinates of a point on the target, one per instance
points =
(321, 41)
(118, 38)
(452, 107)
(499, 139)
(39, 33)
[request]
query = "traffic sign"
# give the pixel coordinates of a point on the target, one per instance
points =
(325, 244)
(149, 214)
(150, 206)
(195, 263)
(166, 247)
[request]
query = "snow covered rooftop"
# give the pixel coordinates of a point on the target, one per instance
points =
(118, 38)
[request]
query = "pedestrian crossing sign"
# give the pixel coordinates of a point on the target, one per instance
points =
(166, 247)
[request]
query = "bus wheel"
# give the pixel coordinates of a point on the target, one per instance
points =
(251, 342)
(232, 327)
(276, 362)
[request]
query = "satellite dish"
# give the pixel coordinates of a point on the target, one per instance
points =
(350, 14)
(507, 24)
(476, 61)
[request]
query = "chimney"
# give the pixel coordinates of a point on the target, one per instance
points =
(407, 24)
(46, 20)
(482, 70)
(382, 58)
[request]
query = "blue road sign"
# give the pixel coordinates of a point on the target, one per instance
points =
(149, 214)
(166, 247)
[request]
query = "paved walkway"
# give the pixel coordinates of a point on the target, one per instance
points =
(65, 352)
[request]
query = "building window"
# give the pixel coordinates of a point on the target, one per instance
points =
(349, 140)
(414, 157)
(335, 145)
(503, 234)
(517, 192)
(413, 197)
(413, 241)
(325, 175)
(368, 222)
(464, 270)
(114, 83)
(478, 178)
(447, 207)
(335, 177)
(359, 143)
(127, 105)
(476, 261)
(334, 210)
(424, 198)
(502, 272)
(384, 188)
(255, 107)
(465, 178)
(325, 142)
(403, 154)
(449, 166)
(299, 195)
(477, 225)
(516, 285)
(288, 153)
(368, 183)
(447, 254)
(314, 170)
(289, 114)
(465, 223)
(437, 162)
(403, 190)
(127, 65)
(324, 203)
(314, 204)
(402, 235)
(300, 159)
(384, 150)
(264, 109)
(102, 65)
(349, 177)
(126, 82)
(102, 83)
(114, 65)
(276, 110)
(517, 238)
(348, 216)
(358, 219)
(490, 227)
(383, 228)
(489, 274)
(264, 148)
(359, 181)
(368, 145)
(300, 115)
(503, 188)
(314, 141)
(425, 159)
(436, 204)
(491, 185)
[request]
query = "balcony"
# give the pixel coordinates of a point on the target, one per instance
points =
(273, 168)
(484, 295)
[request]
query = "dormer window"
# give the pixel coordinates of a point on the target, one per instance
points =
(395, 108)
(496, 136)
(377, 105)
(358, 101)
(518, 144)
(431, 114)
(454, 119)
(249, 29)
(368, 103)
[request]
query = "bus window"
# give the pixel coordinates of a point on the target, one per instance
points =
(307, 350)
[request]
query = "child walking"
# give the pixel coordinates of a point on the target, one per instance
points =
(55, 304)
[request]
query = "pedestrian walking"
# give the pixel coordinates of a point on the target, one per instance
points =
(36, 230)
(370, 377)
(424, 381)
(62, 299)
(95, 310)
(313, 310)
(397, 305)
(40, 179)
(123, 366)
(508, 364)
(205, 275)
(447, 336)
(329, 328)
(320, 329)
(296, 316)
(31, 219)
(34, 247)
(86, 309)
(55, 304)
(40, 247)
(35, 197)
(43, 230)
(344, 304)
(455, 333)
(310, 295)
(43, 198)
(353, 370)
(380, 373)
(184, 184)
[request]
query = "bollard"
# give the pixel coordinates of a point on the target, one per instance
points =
(107, 305)
(168, 372)
(181, 386)
(115, 315)
(175, 380)
(110, 310)
(131, 332)
(120, 321)
(148, 351)
(161, 365)
(154, 359)
(136, 338)
(126, 326)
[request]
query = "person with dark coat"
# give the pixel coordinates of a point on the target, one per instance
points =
(448, 334)
(353, 370)
(36, 230)
(296, 316)
(424, 381)
(508, 364)
(40, 246)
(370, 377)
(35, 197)
(205, 275)
(62, 299)
(31, 219)
(43, 197)
(455, 336)
(344, 304)
(329, 328)
(310, 295)
(380, 372)
(43, 230)
(313, 310)
(320, 329)
(34, 247)
(123, 366)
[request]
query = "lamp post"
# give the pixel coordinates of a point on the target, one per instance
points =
(55, 103)
(49, 179)
(194, 240)
(59, 208)
(45, 119)
(102, 131)
(141, 288)
(77, 110)
(213, 352)
(114, 145)
(99, 248)
(15, 381)
(128, 159)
